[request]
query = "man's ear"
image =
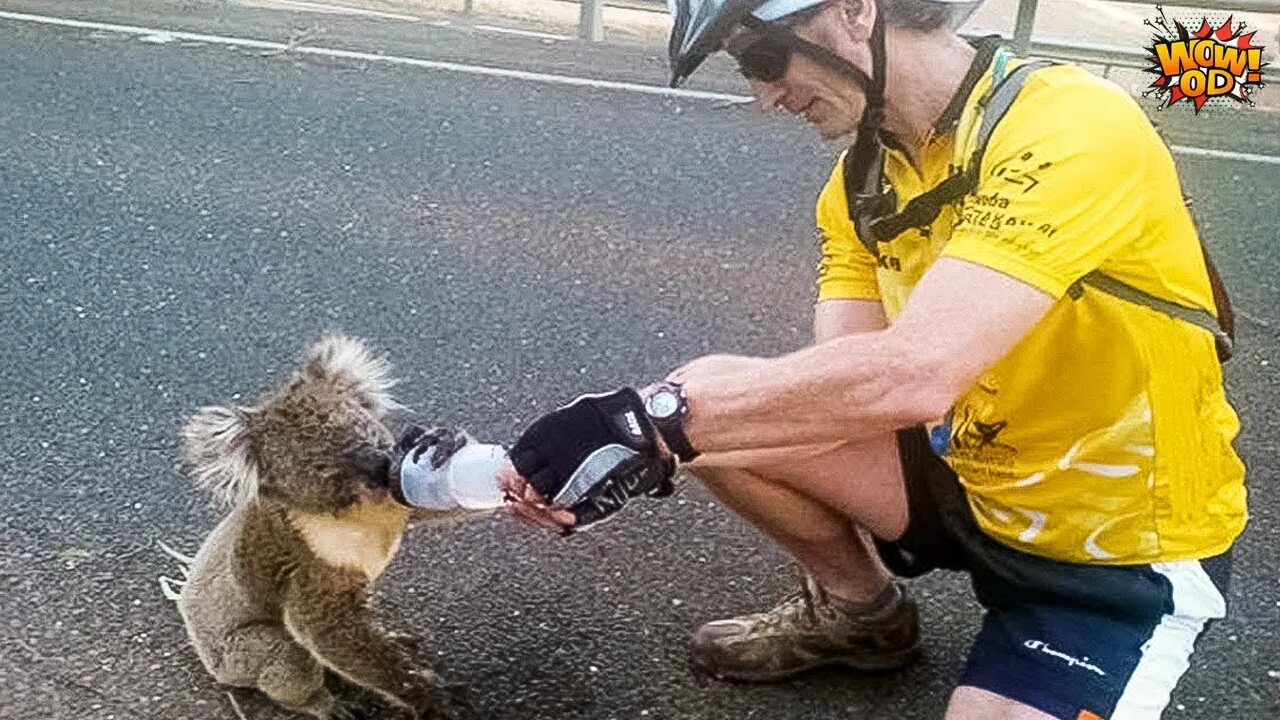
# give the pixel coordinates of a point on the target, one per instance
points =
(857, 17)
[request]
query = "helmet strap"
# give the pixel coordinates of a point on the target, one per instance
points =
(867, 149)
(864, 163)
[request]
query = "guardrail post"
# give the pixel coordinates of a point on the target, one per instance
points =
(591, 21)
(1022, 30)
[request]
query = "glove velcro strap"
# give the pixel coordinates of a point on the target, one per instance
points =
(635, 477)
(592, 470)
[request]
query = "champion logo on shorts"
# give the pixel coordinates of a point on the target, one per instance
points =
(1043, 647)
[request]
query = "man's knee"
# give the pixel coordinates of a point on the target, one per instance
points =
(719, 479)
(709, 476)
(862, 482)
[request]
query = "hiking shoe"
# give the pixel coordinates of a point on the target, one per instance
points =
(808, 629)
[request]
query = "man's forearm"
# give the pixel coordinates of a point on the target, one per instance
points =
(846, 389)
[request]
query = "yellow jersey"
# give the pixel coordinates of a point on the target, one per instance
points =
(1105, 435)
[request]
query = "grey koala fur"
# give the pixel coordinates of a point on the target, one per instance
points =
(278, 593)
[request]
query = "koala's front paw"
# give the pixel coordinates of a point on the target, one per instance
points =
(453, 702)
(410, 435)
(409, 643)
(354, 711)
(442, 712)
(431, 699)
(434, 708)
(460, 703)
(352, 702)
(446, 442)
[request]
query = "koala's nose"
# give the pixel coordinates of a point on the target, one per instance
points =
(380, 479)
(372, 465)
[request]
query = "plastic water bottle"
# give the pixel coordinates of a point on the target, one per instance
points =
(468, 480)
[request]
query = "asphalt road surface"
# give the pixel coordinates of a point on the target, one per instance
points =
(179, 220)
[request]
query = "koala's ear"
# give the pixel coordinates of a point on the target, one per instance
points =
(216, 442)
(347, 363)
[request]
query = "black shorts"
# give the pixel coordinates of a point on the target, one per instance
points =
(1073, 640)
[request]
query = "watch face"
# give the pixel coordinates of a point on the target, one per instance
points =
(663, 404)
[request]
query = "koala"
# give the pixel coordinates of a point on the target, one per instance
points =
(277, 597)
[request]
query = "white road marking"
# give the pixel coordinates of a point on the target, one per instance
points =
(521, 33)
(332, 9)
(159, 38)
(1226, 155)
(386, 59)
(489, 71)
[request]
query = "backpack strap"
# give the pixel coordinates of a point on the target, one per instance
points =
(871, 208)
(1221, 327)
(1225, 336)
(921, 210)
(994, 107)
(1196, 316)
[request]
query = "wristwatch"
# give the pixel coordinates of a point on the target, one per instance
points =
(667, 408)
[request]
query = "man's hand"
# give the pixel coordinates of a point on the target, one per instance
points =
(594, 432)
(589, 458)
(528, 506)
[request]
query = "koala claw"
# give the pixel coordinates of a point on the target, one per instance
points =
(409, 436)
(446, 442)
(461, 703)
(446, 702)
(352, 704)
(343, 712)
(410, 643)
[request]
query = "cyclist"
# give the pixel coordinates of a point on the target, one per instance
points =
(1016, 374)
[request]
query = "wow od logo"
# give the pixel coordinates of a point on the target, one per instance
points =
(1211, 62)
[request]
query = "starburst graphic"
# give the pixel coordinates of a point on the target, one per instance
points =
(1211, 62)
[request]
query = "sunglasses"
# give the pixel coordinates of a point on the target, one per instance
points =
(768, 55)
(766, 59)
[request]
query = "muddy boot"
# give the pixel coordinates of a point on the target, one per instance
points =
(809, 629)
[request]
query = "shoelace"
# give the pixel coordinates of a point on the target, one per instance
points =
(808, 597)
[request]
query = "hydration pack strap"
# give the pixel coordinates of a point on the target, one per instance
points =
(875, 222)
(1222, 336)
(871, 210)
(997, 103)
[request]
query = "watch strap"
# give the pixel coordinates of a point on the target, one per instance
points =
(671, 427)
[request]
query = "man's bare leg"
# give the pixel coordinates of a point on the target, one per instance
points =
(813, 501)
(819, 502)
(829, 546)
(816, 504)
(971, 703)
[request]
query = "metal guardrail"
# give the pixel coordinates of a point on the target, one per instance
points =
(591, 27)
(591, 20)
(1256, 6)
(1106, 54)
(1110, 56)
(591, 24)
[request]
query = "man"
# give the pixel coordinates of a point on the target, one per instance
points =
(1014, 375)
